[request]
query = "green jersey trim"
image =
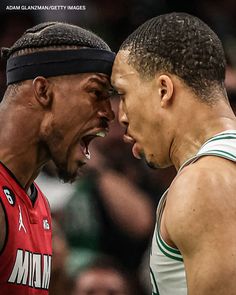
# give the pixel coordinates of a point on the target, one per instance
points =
(223, 135)
(220, 153)
(167, 250)
(154, 281)
(219, 137)
(165, 245)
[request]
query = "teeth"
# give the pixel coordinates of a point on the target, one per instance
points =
(101, 134)
(87, 155)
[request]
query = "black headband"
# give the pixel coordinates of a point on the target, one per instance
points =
(58, 63)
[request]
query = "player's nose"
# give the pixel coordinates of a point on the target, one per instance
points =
(123, 120)
(106, 111)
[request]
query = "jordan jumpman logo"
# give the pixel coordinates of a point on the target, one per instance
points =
(21, 224)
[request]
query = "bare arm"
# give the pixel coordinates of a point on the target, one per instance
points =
(130, 208)
(201, 221)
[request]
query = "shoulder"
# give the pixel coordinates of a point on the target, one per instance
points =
(7, 186)
(208, 176)
(198, 197)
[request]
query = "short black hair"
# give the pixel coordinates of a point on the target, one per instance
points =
(180, 44)
(55, 34)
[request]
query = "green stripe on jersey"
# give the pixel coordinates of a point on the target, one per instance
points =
(219, 153)
(165, 245)
(154, 282)
(219, 137)
(167, 250)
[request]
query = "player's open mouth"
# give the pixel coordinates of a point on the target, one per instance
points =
(86, 139)
(137, 152)
(128, 139)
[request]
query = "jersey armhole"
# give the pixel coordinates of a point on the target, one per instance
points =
(7, 227)
(166, 249)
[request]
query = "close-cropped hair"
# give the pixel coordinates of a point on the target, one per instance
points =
(179, 44)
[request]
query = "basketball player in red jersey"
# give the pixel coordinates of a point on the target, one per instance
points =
(56, 102)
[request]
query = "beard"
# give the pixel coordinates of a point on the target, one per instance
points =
(67, 176)
(60, 160)
(63, 172)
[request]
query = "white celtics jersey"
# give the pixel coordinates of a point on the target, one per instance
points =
(166, 263)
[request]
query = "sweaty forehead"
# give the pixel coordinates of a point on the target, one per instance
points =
(121, 70)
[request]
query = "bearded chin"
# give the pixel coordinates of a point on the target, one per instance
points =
(69, 177)
(65, 176)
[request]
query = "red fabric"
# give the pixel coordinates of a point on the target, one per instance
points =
(25, 261)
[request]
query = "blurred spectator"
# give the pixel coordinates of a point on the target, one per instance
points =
(104, 277)
(57, 192)
(12, 25)
(60, 283)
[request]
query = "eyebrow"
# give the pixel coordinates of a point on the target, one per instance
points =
(99, 81)
(106, 86)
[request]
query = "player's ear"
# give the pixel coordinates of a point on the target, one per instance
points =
(165, 89)
(42, 91)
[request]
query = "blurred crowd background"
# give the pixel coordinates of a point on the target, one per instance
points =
(103, 223)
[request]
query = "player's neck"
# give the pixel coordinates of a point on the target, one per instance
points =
(197, 128)
(20, 151)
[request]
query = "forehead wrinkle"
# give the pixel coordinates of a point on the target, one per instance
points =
(120, 72)
(101, 80)
(127, 74)
(120, 79)
(99, 76)
(105, 84)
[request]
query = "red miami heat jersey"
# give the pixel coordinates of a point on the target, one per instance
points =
(25, 260)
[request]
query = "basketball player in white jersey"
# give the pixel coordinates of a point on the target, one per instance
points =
(170, 76)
